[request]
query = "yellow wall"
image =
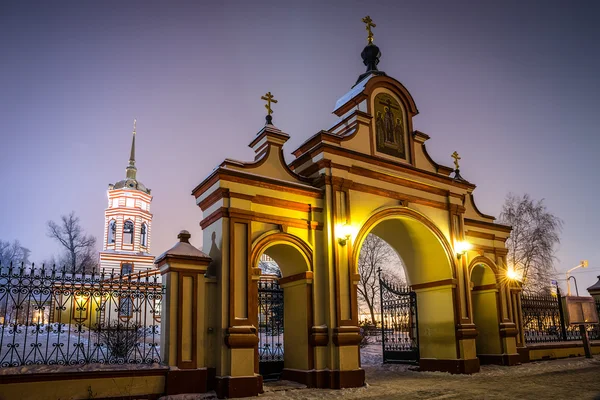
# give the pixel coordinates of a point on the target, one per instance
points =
(90, 388)
(295, 328)
(485, 317)
(437, 337)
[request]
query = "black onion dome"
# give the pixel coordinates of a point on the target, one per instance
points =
(370, 56)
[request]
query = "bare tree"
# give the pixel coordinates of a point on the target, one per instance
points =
(79, 248)
(531, 245)
(375, 253)
(13, 253)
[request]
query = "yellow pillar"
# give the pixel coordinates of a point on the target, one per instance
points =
(183, 316)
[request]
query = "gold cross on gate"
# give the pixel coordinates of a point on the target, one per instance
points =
(367, 20)
(268, 97)
(456, 158)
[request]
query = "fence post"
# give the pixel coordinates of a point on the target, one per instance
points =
(183, 316)
(563, 328)
(381, 314)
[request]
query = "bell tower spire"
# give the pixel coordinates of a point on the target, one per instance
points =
(131, 169)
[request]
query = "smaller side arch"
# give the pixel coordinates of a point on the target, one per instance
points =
(277, 241)
(486, 261)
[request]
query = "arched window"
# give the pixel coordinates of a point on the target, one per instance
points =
(144, 235)
(128, 232)
(112, 231)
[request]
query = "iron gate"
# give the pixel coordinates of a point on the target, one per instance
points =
(399, 328)
(270, 328)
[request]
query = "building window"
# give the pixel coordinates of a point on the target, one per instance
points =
(126, 302)
(112, 231)
(144, 235)
(128, 232)
(125, 307)
(126, 268)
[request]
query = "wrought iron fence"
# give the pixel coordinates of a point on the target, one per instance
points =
(543, 321)
(53, 316)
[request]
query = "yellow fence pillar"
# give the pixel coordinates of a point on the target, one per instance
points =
(183, 316)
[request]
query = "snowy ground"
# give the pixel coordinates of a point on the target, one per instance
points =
(571, 378)
(64, 344)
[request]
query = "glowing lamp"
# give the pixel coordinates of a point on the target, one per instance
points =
(344, 234)
(461, 247)
(513, 274)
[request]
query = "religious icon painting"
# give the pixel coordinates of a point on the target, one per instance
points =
(390, 126)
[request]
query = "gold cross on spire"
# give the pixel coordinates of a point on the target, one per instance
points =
(134, 121)
(367, 20)
(456, 158)
(268, 97)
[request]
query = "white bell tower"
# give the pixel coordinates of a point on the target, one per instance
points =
(127, 224)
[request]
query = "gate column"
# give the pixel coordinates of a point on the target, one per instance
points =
(183, 318)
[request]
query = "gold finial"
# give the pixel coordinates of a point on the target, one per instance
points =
(367, 20)
(134, 122)
(268, 97)
(456, 158)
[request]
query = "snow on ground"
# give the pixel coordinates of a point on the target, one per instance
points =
(571, 378)
(64, 344)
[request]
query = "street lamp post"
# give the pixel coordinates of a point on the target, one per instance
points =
(586, 340)
(582, 264)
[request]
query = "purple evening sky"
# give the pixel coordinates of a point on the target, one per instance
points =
(514, 87)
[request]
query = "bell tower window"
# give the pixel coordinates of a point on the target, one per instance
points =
(128, 232)
(112, 231)
(144, 235)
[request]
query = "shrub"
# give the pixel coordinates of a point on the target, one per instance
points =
(120, 340)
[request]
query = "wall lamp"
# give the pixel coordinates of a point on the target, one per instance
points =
(345, 233)
(513, 274)
(461, 248)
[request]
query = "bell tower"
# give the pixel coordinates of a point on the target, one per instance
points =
(127, 223)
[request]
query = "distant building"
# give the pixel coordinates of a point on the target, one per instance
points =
(127, 224)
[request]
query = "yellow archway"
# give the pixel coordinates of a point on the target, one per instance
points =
(294, 258)
(430, 271)
(292, 254)
(486, 314)
(424, 235)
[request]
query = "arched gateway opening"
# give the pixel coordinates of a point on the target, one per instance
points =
(284, 304)
(430, 272)
(484, 297)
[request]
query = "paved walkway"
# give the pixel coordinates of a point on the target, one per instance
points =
(572, 378)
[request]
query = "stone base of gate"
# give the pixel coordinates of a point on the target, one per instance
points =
(499, 359)
(326, 379)
(238, 386)
(453, 366)
(180, 381)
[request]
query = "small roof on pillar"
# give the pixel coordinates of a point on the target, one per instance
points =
(595, 287)
(183, 249)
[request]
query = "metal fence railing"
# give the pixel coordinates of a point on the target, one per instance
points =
(52, 316)
(543, 321)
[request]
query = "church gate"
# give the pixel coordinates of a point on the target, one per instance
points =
(399, 323)
(270, 328)
(370, 172)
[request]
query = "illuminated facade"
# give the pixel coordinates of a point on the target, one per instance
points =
(127, 224)
(369, 173)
